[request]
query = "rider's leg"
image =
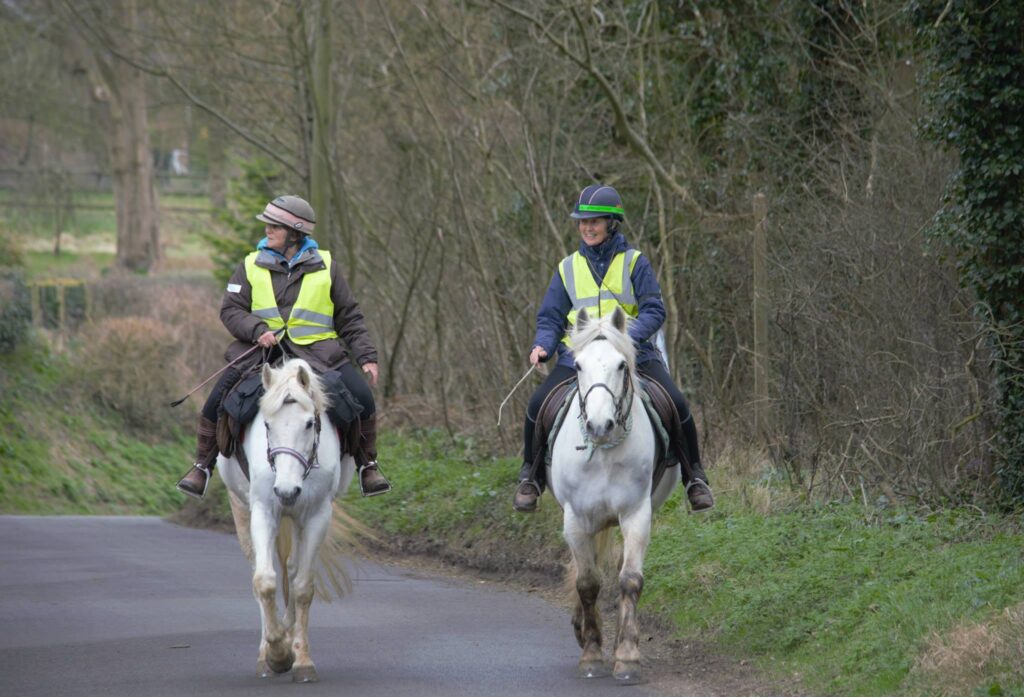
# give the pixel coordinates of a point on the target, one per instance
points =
(195, 481)
(531, 483)
(697, 489)
(371, 481)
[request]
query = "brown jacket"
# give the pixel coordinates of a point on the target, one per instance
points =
(235, 313)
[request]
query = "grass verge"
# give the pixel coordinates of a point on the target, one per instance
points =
(60, 454)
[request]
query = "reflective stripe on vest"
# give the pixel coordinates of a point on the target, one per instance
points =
(312, 317)
(584, 292)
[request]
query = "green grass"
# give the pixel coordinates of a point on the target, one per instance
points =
(451, 501)
(60, 454)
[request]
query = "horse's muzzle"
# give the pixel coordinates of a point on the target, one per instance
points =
(599, 430)
(288, 495)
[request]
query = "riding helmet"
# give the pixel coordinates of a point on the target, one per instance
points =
(598, 201)
(291, 212)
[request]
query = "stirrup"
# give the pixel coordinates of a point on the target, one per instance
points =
(376, 466)
(206, 481)
(536, 501)
(707, 486)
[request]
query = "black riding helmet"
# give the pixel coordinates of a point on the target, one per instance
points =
(599, 201)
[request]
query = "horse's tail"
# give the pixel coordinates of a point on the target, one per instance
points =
(284, 550)
(606, 549)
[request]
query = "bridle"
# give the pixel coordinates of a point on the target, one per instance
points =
(309, 463)
(622, 407)
(621, 402)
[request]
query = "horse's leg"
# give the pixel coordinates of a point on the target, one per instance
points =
(242, 517)
(310, 538)
(274, 649)
(587, 617)
(636, 533)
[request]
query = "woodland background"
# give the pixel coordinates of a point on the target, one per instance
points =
(442, 143)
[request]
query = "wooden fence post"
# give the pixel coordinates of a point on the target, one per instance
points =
(760, 311)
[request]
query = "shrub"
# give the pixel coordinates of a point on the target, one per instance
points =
(133, 365)
(15, 308)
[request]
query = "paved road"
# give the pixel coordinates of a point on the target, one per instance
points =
(97, 606)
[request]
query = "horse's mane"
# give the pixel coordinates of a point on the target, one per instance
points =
(285, 384)
(603, 329)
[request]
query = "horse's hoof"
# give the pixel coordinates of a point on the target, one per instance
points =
(627, 673)
(591, 669)
(282, 665)
(305, 674)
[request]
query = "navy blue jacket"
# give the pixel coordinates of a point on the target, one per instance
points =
(553, 316)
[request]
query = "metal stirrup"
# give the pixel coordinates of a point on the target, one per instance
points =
(376, 466)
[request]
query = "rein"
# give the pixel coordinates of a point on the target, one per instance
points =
(308, 463)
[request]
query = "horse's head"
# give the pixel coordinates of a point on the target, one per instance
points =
(291, 405)
(605, 363)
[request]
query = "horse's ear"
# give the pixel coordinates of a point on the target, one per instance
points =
(619, 319)
(303, 376)
(266, 374)
(582, 319)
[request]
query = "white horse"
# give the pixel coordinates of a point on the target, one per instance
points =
(295, 469)
(601, 472)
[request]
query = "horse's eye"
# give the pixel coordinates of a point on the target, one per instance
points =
(622, 366)
(309, 424)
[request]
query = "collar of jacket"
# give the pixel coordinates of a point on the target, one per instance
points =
(603, 253)
(306, 251)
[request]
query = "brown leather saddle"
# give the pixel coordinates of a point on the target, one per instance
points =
(669, 439)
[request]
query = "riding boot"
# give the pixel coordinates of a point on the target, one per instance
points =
(529, 490)
(371, 481)
(198, 478)
(698, 491)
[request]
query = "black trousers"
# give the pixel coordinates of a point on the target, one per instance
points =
(655, 370)
(350, 375)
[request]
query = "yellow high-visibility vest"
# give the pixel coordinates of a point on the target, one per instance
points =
(584, 292)
(312, 317)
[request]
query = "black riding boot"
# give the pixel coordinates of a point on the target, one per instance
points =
(198, 478)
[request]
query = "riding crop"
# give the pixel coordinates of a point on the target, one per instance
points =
(532, 368)
(189, 394)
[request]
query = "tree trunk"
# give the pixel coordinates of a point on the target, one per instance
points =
(119, 93)
(322, 104)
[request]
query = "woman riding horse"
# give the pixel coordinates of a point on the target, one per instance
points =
(604, 273)
(290, 287)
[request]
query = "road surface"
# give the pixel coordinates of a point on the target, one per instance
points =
(138, 607)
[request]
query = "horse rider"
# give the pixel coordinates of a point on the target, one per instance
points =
(290, 287)
(597, 273)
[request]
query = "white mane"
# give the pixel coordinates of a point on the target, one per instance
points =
(583, 334)
(286, 383)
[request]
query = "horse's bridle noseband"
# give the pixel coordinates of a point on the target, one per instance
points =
(308, 463)
(620, 402)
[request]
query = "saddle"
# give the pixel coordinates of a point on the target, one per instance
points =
(669, 440)
(241, 404)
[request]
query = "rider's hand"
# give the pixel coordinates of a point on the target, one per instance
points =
(537, 355)
(267, 339)
(371, 371)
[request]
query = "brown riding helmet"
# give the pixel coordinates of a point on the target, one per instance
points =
(291, 212)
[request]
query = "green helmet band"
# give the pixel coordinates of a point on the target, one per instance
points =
(602, 209)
